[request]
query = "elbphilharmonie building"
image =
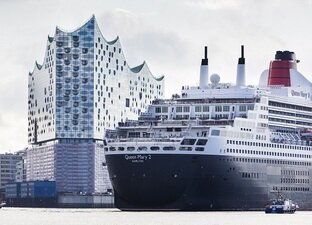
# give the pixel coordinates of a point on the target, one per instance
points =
(84, 87)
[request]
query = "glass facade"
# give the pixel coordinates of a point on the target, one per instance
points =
(86, 86)
(83, 87)
(75, 78)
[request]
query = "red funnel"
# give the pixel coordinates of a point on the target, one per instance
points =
(279, 72)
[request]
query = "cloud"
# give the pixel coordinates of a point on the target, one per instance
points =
(2, 124)
(161, 48)
(213, 4)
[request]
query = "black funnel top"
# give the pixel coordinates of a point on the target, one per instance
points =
(241, 60)
(285, 55)
(205, 60)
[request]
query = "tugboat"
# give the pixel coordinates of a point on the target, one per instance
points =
(280, 205)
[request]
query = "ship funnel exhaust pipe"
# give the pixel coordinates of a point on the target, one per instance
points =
(203, 79)
(242, 54)
(240, 75)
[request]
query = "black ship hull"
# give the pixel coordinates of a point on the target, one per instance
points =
(203, 182)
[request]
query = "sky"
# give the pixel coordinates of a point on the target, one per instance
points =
(169, 35)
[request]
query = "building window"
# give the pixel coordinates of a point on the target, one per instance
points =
(127, 102)
(205, 108)
(59, 55)
(164, 109)
(250, 107)
(186, 109)
(179, 109)
(75, 38)
(242, 108)
(218, 108)
(59, 44)
(226, 108)
(158, 109)
(198, 108)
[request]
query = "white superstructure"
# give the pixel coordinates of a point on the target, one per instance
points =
(272, 109)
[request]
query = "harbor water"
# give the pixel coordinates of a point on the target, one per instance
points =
(41, 216)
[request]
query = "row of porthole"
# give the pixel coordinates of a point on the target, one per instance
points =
(269, 161)
(153, 148)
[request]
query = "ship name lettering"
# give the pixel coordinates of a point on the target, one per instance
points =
(138, 158)
(143, 157)
(305, 95)
(130, 157)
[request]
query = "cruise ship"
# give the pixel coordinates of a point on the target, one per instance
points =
(218, 146)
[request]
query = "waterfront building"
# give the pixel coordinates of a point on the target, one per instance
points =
(20, 175)
(83, 87)
(31, 194)
(8, 163)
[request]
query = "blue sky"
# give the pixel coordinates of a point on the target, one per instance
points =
(169, 35)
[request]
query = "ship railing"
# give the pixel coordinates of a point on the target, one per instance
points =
(144, 140)
(291, 142)
(297, 136)
(285, 137)
(206, 100)
(291, 137)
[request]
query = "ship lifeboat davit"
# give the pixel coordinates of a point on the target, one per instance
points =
(279, 72)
